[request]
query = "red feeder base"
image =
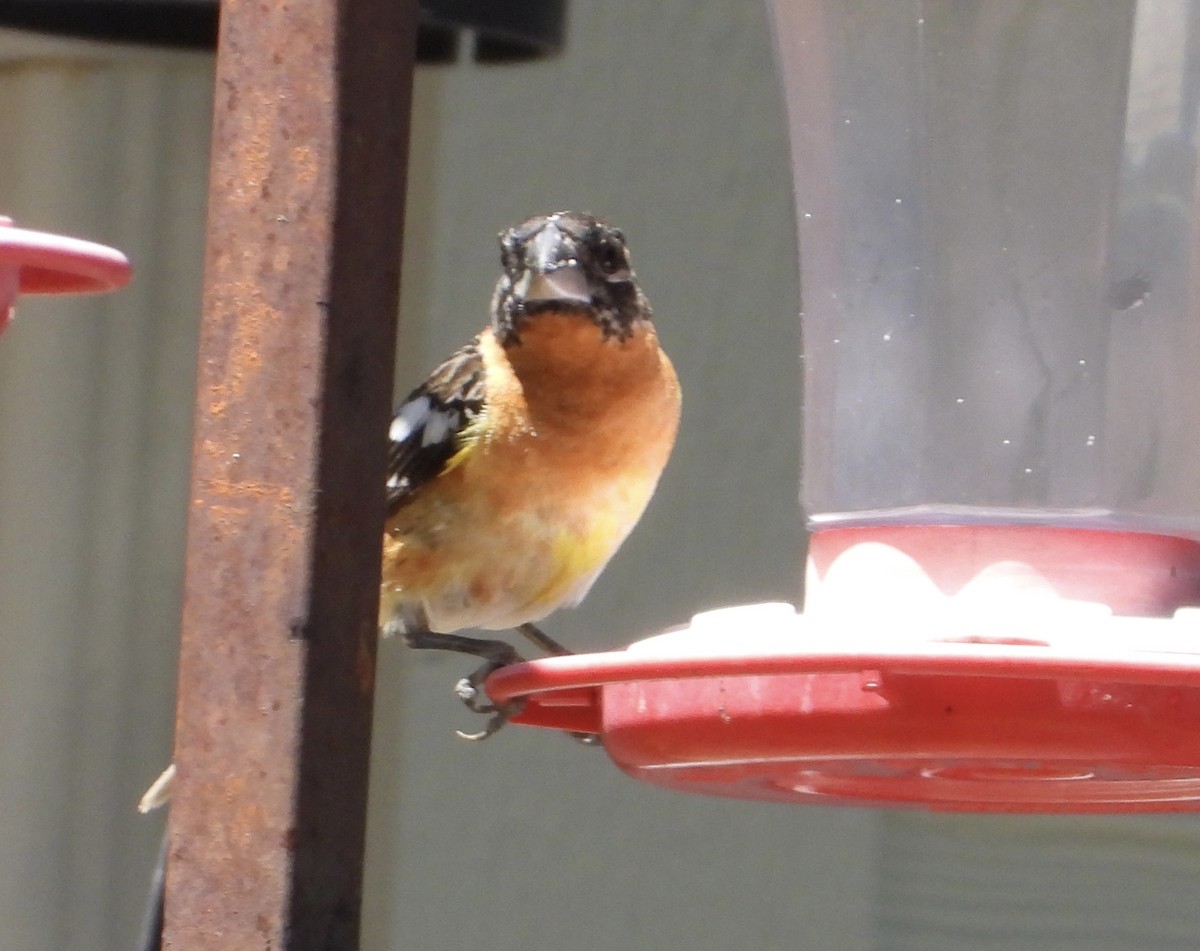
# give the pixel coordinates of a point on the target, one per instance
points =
(1040, 706)
(1004, 728)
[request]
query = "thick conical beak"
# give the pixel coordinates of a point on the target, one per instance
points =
(566, 283)
(553, 272)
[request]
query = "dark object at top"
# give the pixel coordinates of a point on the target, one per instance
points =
(504, 30)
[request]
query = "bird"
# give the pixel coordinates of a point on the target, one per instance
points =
(520, 465)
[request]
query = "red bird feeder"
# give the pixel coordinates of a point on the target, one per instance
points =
(34, 262)
(1000, 266)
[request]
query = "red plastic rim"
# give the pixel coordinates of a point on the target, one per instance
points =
(955, 726)
(55, 264)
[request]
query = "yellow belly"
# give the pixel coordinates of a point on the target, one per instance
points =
(509, 568)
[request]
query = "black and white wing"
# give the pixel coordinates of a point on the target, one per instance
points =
(434, 424)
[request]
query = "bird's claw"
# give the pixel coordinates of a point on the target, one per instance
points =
(495, 721)
(470, 691)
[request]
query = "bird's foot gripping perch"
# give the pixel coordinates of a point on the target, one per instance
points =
(495, 654)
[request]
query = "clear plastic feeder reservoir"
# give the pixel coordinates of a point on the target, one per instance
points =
(1000, 260)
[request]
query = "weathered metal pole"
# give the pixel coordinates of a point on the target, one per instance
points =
(296, 352)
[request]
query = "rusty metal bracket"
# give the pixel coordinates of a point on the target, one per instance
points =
(296, 352)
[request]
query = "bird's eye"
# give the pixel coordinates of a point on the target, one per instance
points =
(611, 258)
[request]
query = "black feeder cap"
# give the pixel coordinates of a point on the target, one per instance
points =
(502, 30)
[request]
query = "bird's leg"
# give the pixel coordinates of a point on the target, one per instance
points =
(495, 654)
(553, 647)
(543, 640)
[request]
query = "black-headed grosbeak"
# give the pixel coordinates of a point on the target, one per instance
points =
(522, 463)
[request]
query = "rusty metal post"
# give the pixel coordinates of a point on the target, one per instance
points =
(279, 625)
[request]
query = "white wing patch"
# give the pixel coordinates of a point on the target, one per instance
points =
(428, 427)
(412, 415)
(438, 425)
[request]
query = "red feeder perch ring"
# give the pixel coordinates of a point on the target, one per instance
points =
(35, 262)
(1038, 711)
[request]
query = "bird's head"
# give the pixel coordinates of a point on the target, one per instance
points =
(566, 262)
